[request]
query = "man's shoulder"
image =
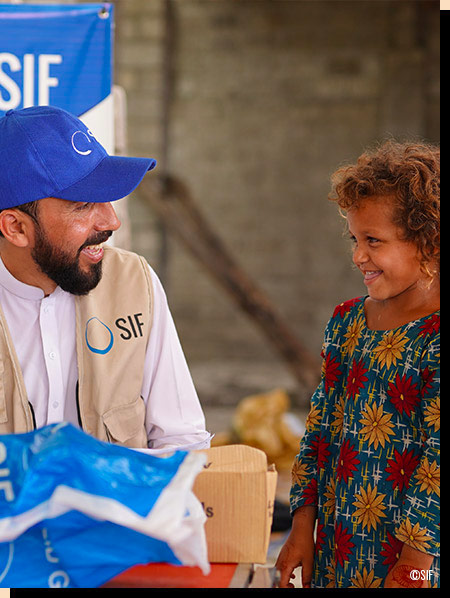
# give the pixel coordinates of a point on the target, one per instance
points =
(125, 276)
(117, 255)
(121, 262)
(111, 252)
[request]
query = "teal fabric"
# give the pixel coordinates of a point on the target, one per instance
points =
(369, 459)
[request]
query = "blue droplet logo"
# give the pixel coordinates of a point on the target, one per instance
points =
(102, 333)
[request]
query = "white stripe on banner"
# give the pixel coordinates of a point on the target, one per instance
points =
(100, 120)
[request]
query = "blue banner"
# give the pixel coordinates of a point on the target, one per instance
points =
(58, 55)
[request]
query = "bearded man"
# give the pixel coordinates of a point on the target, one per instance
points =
(86, 335)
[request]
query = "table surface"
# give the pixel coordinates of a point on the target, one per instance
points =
(163, 575)
(222, 575)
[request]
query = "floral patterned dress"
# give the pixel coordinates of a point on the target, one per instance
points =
(369, 460)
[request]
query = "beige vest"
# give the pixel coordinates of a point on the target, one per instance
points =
(113, 325)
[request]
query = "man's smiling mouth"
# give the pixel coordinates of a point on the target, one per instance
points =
(93, 252)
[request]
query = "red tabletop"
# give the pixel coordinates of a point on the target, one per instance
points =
(163, 575)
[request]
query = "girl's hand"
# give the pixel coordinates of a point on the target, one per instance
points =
(404, 575)
(298, 549)
(296, 552)
(411, 570)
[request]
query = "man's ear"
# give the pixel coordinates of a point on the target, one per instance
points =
(17, 227)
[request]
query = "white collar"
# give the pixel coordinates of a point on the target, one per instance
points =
(18, 288)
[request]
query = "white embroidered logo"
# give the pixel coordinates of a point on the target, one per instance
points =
(79, 151)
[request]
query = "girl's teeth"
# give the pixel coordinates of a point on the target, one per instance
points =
(371, 274)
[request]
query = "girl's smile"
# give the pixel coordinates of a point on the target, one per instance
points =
(370, 276)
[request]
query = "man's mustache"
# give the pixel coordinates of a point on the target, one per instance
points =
(97, 239)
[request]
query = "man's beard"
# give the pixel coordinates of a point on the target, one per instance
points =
(63, 268)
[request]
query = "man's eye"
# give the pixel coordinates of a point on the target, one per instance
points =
(373, 240)
(83, 206)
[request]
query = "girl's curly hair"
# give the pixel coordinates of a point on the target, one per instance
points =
(410, 173)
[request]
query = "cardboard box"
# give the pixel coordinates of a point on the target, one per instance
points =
(237, 491)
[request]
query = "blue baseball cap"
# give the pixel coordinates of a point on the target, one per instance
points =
(48, 152)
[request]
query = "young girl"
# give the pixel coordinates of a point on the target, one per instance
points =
(367, 476)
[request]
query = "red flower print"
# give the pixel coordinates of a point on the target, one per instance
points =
(431, 325)
(343, 308)
(404, 394)
(343, 545)
(320, 536)
(401, 468)
(427, 377)
(320, 450)
(310, 493)
(332, 372)
(347, 462)
(391, 550)
(356, 378)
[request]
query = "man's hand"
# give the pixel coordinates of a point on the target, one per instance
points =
(298, 549)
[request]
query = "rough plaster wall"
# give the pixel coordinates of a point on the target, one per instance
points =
(269, 98)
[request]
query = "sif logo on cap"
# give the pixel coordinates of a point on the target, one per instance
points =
(79, 140)
(47, 152)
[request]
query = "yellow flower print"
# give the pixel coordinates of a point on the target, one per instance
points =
(390, 348)
(299, 472)
(330, 495)
(370, 507)
(352, 335)
(376, 426)
(429, 476)
(433, 414)
(331, 575)
(338, 413)
(413, 536)
(313, 418)
(366, 580)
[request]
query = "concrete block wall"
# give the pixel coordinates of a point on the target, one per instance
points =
(267, 99)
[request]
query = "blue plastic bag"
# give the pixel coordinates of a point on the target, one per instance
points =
(75, 511)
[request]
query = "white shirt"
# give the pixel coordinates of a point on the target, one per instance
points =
(43, 333)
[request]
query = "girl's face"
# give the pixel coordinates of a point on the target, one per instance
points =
(390, 265)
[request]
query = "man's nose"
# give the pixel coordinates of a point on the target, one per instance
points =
(106, 217)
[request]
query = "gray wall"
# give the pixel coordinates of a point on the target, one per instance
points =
(253, 104)
(267, 99)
